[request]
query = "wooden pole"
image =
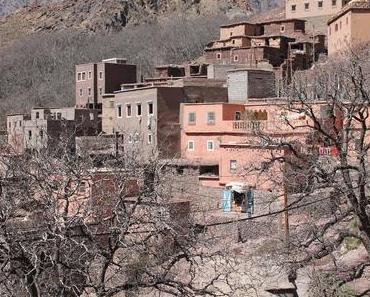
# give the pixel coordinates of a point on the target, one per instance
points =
(286, 216)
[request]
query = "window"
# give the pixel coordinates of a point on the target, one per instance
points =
(20, 123)
(210, 145)
(319, 4)
(128, 110)
(307, 6)
(282, 28)
(334, 2)
(81, 92)
(136, 137)
(82, 187)
(79, 76)
(119, 111)
(89, 91)
(101, 75)
(150, 138)
(138, 109)
(100, 91)
(41, 134)
(191, 145)
(236, 58)
(59, 115)
(211, 118)
(150, 108)
(233, 165)
(37, 115)
(233, 41)
(130, 138)
(218, 56)
(91, 116)
(294, 7)
(231, 33)
(30, 134)
(10, 124)
(90, 75)
(238, 116)
(83, 75)
(336, 27)
(192, 118)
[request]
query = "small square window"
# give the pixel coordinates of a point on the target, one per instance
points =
(218, 56)
(59, 115)
(236, 58)
(89, 91)
(128, 110)
(282, 28)
(294, 7)
(233, 165)
(191, 145)
(79, 76)
(238, 116)
(101, 75)
(130, 138)
(91, 116)
(150, 138)
(138, 109)
(150, 108)
(90, 75)
(233, 42)
(307, 6)
(83, 75)
(320, 4)
(37, 115)
(119, 111)
(192, 118)
(210, 145)
(100, 91)
(211, 118)
(81, 92)
(334, 2)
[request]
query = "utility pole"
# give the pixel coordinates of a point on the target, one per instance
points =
(286, 215)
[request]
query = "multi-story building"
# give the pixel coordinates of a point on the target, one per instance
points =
(253, 44)
(148, 116)
(226, 139)
(44, 127)
(95, 79)
(312, 8)
(349, 27)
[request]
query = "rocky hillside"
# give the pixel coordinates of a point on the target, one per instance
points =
(110, 15)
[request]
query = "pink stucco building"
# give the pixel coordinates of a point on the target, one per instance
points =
(229, 141)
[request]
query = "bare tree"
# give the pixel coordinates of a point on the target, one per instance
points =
(326, 172)
(72, 228)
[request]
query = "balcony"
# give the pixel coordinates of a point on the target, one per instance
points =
(249, 125)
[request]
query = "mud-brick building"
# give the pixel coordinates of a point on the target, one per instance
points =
(46, 128)
(251, 44)
(349, 28)
(95, 79)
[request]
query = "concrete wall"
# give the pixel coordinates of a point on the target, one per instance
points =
(250, 83)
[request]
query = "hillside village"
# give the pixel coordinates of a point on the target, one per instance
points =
(243, 141)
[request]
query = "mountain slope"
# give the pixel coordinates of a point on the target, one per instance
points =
(111, 15)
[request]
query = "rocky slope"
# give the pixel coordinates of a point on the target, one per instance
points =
(110, 15)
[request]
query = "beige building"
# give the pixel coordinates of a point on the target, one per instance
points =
(312, 8)
(349, 27)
